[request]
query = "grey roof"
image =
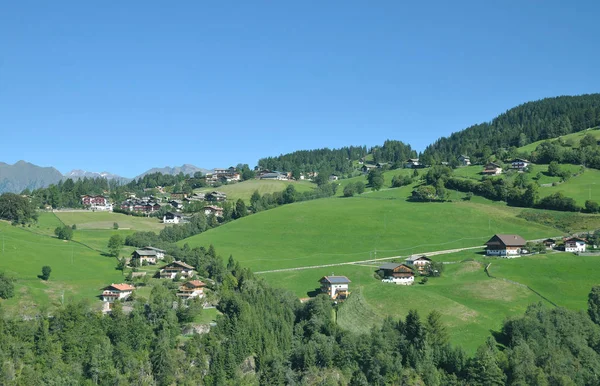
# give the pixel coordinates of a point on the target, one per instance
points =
(336, 279)
(415, 258)
(389, 265)
(507, 240)
(154, 249)
(145, 252)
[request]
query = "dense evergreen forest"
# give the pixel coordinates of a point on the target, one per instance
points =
(524, 124)
(319, 160)
(266, 336)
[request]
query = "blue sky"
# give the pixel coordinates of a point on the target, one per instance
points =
(127, 86)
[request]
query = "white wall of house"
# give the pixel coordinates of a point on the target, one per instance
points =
(404, 280)
(502, 252)
(111, 296)
(174, 220)
(335, 288)
(578, 246)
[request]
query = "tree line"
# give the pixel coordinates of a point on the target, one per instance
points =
(519, 126)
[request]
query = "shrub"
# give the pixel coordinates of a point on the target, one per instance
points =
(64, 232)
(7, 287)
(45, 272)
(115, 225)
(591, 206)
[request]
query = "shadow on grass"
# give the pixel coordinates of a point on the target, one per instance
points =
(313, 293)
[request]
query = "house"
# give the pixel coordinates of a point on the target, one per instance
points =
(366, 168)
(505, 245)
(274, 176)
(335, 286)
(575, 244)
(191, 289)
(178, 195)
(195, 197)
(421, 262)
(96, 203)
(135, 205)
(214, 210)
(170, 271)
(381, 165)
(215, 196)
(464, 160)
(172, 218)
(115, 292)
(398, 273)
(176, 204)
(160, 253)
(519, 164)
(139, 256)
(549, 243)
(412, 163)
(333, 177)
(492, 169)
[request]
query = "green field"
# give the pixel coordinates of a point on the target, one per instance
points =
(77, 271)
(105, 220)
(585, 186)
(574, 137)
(471, 303)
(245, 189)
(377, 224)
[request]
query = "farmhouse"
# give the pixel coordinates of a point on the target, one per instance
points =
(505, 245)
(575, 244)
(178, 195)
(134, 205)
(176, 204)
(215, 210)
(412, 163)
(115, 292)
(191, 289)
(549, 243)
(398, 273)
(274, 176)
(492, 169)
(139, 256)
(367, 167)
(160, 253)
(519, 163)
(464, 160)
(335, 286)
(170, 271)
(195, 197)
(418, 261)
(215, 196)
(172, 218)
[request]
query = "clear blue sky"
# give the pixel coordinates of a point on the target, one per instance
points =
(125, 86)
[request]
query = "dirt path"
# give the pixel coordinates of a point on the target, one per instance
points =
(364, 262)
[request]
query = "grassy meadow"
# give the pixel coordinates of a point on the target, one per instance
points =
(575, 138)
(376, 224)
(77, 271)
(245, 189)
(105, 220)
(471, 303)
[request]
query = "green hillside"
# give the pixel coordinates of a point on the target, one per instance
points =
(346, 229)
(572, 139)
(245, 189)
(77, 271)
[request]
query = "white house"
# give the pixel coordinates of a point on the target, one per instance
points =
(180, 268)
(333, 177)
(172, 218)
(575, 244)
(160, 253)
(335, 286)
(140, 256)
(464, 160)
(115, 292)
(211, 209)
(492, 169)
(412, 163)
(397, 273)
(191, 289)
(505, 245)
(519, 163)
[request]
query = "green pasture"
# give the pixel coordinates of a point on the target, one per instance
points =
(585, 186)
(372, 225)
(77, 271)
(245, 189)
(105, 220)
(471, 303)
(575, 138)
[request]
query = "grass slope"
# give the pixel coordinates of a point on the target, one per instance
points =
(348, 229)
(105, 220)
(585, 186)
(245, 189)
(77, 271)
(575, 137)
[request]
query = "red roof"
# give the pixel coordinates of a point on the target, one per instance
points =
(120, 287)
(196, 283)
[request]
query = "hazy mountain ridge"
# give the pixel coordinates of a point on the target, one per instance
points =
(24, 175)
(186, 169)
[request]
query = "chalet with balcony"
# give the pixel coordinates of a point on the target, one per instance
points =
(214, 210)
(139, 256)
(464, 160)
(114, 292)
(160, 253)
(412, 163)
(191, 289)
(336, 287)
(420, 262)
(215, 196)
(505, 245)
(397, 273)
(492, 169)
(170, 271)
(519, 164)
(172, 218)
(575, 244)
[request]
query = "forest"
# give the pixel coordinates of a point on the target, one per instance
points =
(266, 336)
(519, 126)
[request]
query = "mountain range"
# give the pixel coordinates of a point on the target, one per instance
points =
(24, 175)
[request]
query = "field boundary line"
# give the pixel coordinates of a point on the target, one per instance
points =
(519, 284)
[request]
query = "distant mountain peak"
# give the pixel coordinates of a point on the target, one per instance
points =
(187, 169)
(79, 173)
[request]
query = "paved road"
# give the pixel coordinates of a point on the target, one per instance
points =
(434, 253)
